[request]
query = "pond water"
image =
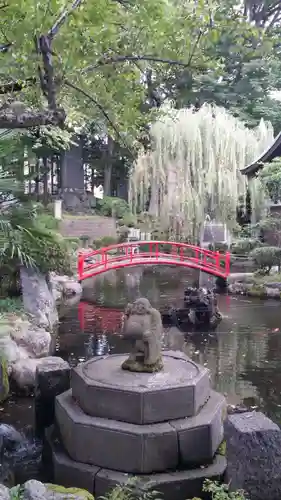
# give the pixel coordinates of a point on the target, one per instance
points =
(243, 353)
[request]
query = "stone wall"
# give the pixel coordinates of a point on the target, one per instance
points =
(93, 226)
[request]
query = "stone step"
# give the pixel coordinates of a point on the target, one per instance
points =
(175, 485)
(140, 449)
(95, 227)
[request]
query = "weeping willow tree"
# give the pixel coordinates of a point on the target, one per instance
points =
(193, 168)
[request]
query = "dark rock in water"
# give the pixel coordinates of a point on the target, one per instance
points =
(203, 304)
(19, 453)
(253, 447)
(11, 438)
(200, 309)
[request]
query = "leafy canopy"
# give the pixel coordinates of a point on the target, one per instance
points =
(91, 58)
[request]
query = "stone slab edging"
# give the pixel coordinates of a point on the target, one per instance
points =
(263, 291)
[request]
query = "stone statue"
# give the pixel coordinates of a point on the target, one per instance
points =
(200, 309)
(143, 326)
(203, 306)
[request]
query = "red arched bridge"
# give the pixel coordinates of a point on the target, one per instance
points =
(141, 253)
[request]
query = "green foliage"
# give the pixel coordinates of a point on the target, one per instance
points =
(25, 241)
(127, 40)
(218, 247)
(132, 490)
(123, 233)
(9, 304)
(250, 69)
(222, 491)
(110, 206)
(244, 246)
(270, 177)
(266, 257)
(128, 220)
(106, 241)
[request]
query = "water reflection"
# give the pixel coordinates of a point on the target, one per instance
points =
(242, 354)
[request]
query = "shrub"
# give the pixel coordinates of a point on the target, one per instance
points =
(244, 246)
(266, 257)
(111, 206)
(221, 491)
(106, 241)
(218, 247)
(9, 304)
(123, 233)
(25, 241)
(128, 220)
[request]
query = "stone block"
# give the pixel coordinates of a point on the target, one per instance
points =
(52, 378)
(115, 445)
(103, 389)
(178, 485)
(253, 447)
(66, 471)
(199, 437)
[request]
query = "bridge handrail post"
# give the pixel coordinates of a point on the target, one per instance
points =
(227, 263)
(80, 265)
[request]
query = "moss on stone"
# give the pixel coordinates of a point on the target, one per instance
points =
(222, 448)
(139, 367)
(257, 291)
(70, 493)
(4, 382)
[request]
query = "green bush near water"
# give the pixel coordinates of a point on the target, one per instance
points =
(266, 257)
(244, 246)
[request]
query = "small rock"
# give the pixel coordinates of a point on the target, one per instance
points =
(10, 350)
(71, 288)
(273, 293)
(33, 490)
(24, 370)
(36, 341)
(4, 492)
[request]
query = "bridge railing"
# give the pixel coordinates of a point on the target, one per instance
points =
(154, 250)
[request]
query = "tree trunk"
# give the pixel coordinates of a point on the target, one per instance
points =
(108, 168)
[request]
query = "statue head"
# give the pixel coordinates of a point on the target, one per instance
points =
(136, 317)
(140, 306)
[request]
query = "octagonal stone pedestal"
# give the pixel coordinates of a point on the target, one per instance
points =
(114, 423)
(103, 389)
(171, 485)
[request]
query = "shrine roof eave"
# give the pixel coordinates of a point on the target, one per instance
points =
(267, 156)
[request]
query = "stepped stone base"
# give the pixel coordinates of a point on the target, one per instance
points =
(178, 485)
(103, 389)
(140, 449)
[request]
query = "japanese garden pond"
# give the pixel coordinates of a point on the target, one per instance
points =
(243, 353)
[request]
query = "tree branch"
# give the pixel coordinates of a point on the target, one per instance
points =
(119, 59)
(9, 119)
(100, 107)
(62, 18)
(15, 86)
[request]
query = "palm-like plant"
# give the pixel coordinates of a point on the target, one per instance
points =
(24, 240)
